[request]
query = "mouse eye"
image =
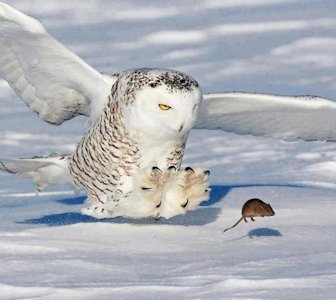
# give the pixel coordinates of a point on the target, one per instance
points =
(164, 107)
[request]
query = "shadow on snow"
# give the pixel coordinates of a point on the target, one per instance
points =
(72, 201)
(198, 217)
(259, 232)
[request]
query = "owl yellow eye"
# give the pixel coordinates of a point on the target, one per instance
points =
(164, 106)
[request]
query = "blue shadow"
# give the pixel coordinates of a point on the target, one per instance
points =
(197, 217)
(73, 201)
(218, 192)
(204, 215)
(264, 232)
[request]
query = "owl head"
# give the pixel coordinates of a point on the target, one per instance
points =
(157, 102)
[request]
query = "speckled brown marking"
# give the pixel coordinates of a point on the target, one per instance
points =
(108, 153)
(98, 167)
(175, 157)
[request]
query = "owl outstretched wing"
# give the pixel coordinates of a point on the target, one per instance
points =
(282, 117)
(50, 79)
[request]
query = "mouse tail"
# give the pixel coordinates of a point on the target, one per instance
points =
(234, 224)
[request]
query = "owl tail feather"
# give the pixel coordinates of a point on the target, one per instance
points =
(43, 171)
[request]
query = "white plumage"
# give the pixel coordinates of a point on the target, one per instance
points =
(44, 171)
(283, 117)
(128, 162)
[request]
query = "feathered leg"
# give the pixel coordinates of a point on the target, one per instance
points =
(184, 191)
(144, 201)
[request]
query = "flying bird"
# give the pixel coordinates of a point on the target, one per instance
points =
(128, 162)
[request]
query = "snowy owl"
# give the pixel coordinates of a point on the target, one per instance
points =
(129, 160)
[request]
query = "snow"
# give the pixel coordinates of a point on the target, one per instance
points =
(48, 250)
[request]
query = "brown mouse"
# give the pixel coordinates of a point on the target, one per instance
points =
(254, 208)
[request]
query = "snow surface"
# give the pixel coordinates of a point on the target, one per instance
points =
(48, 250)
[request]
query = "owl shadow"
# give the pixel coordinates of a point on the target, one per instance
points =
(197, 217)
(202, 216)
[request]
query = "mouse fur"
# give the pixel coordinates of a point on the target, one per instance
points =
(254, 208)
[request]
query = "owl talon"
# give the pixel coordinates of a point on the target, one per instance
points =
(149, 185)
(156, 169)
(189, 169)
(184, 191)
(99, 212)
(185, 204)
(171, 192)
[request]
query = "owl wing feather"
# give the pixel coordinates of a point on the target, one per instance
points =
(50, 79)
(282, 117)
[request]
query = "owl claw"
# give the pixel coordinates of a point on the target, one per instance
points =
(145, 188)
(184, 191)
(189, 169)
(165, 194)
(156, 169)
(185, 204)
(149, 186)
(99, 212)
(207, 172)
